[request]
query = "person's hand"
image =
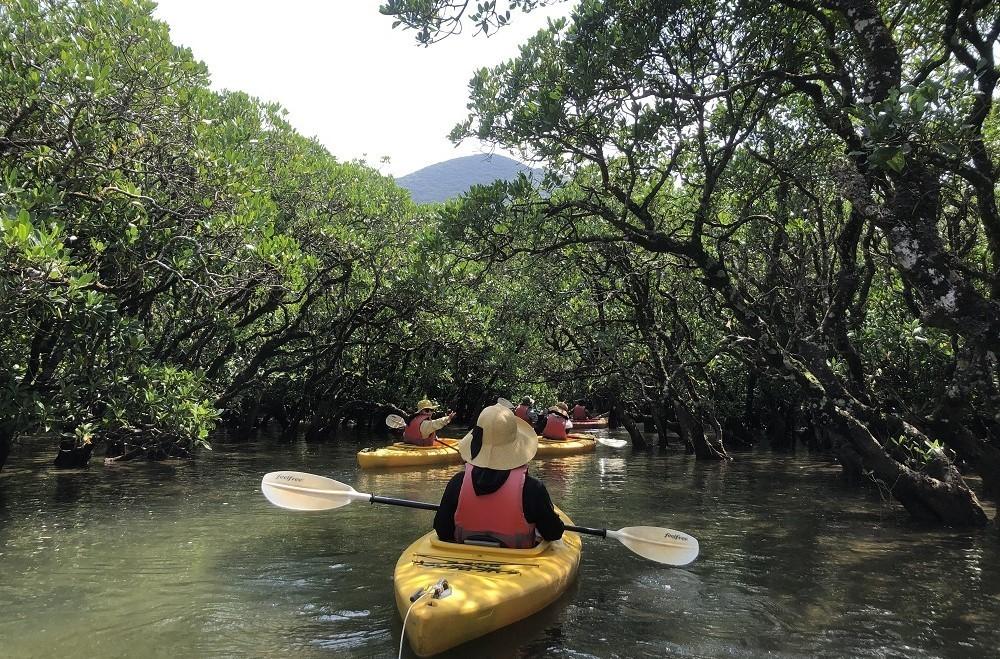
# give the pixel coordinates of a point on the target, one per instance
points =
(451, 415)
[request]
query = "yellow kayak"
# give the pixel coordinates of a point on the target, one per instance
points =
(591, 424)
(490, 587)
(554, 448)
(401, 454)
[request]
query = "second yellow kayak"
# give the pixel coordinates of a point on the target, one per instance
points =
(401, 454)
(554, 448)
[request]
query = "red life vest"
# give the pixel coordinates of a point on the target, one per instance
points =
(522, 411)
(498, 515)
(411, 435)
(579, 413)
(555, 427)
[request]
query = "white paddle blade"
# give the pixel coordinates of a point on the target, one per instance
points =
(613, 443)
(395, 421)
(296, 490)
(506, 403)
(658, 544)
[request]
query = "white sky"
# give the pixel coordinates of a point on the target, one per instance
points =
(344, 75)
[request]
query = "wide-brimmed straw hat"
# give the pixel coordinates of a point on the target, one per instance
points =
(426, 405)
(562, 408)
(499, 440)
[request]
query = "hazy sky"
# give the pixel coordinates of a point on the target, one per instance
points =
(344, 75)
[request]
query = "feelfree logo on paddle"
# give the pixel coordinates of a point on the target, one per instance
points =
(673, 536)
(288, 477)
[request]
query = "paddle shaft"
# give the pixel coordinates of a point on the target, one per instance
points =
(447, 446)
(406, 503)
(423, 505)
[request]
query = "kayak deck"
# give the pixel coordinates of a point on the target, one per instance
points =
(490, 587)
(591, 424)
(574, 444)
(402, 454)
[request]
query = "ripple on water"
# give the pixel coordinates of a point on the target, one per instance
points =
(352, 640)
(148, 561)
(342, 615)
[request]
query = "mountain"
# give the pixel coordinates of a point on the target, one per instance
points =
(451, 178)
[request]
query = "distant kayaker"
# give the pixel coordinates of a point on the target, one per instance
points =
(524, 410)
(421, 428)
(557, 422)
(580, 412)
(494, 500)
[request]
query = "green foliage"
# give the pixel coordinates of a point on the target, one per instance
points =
(435, 20)
(170, 255)
(919, 454)
(794, 186)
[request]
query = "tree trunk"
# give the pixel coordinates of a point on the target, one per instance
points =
(749, 412)
(852, 467)
(660, 421)
(248, 418)
(948, 422)
(6, 442)
(71, 456)
(638, 440)
(939, 496)
(693, 434)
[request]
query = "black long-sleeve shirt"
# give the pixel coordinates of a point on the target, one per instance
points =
(538, 509)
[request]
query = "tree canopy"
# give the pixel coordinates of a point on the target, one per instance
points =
(758, 220)
(794, 199)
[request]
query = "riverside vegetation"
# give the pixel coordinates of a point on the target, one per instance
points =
(759, 219)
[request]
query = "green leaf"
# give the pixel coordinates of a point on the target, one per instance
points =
(896, 161)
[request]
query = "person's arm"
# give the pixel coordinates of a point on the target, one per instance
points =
(444, 518)
(538, 510)
(431, 426)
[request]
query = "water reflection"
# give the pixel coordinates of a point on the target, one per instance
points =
(611, 470)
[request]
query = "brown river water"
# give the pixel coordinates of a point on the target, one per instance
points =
(188, 559)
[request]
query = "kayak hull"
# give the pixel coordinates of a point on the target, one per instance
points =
(591, 424)
(491, 587)
(554, 448)
(401, 454)
(408, 455)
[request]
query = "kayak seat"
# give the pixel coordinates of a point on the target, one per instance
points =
(473, 549)
(482, 541)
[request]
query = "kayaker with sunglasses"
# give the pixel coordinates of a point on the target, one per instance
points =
(421, 428)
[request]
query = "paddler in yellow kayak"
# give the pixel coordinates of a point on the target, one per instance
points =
(494, 501)
(523, 411)
(580, 412)
(557, 422)
(421, 428)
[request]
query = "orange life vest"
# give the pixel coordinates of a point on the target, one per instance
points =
(411, 435)
(496, 516)
(555, 426)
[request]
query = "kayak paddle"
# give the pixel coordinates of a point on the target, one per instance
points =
(296, 490)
